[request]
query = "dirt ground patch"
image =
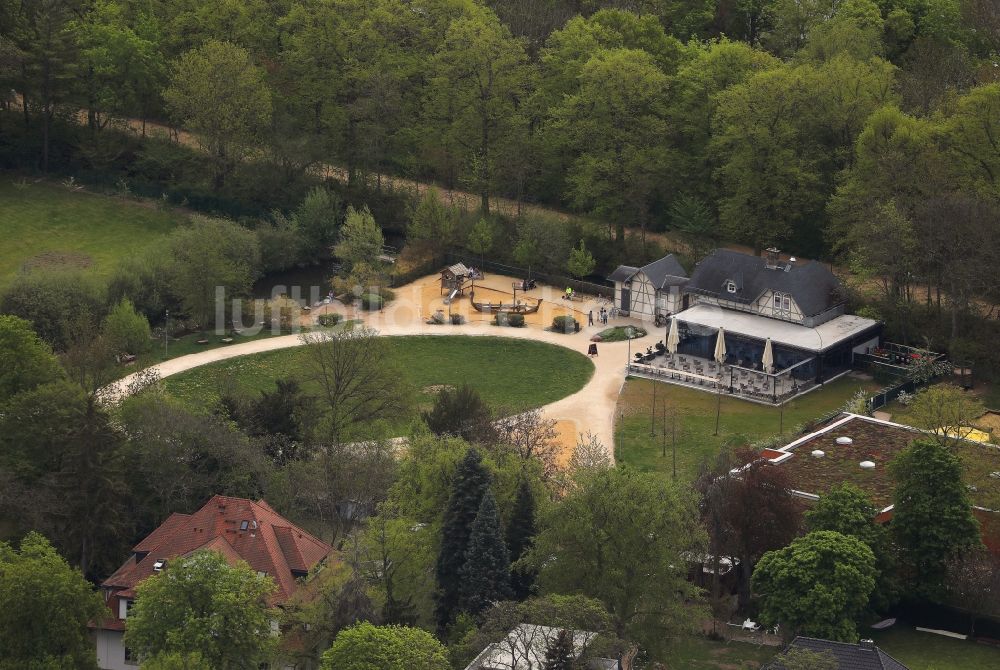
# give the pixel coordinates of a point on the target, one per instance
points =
(59, 260)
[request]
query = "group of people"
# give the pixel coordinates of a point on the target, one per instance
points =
(602, 317)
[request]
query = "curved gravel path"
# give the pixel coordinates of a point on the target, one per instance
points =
(591, 409)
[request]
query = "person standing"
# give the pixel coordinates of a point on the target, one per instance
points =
(590, 318)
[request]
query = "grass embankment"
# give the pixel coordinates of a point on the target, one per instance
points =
(694, 414)
(47, 225)
(510, 374)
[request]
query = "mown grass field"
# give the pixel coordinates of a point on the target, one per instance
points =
(701, 653)
(48, 225)
(511, 374)
(927, 651)
(694, 414)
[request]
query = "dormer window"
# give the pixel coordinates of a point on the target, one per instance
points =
(731, 286)
(244, 525)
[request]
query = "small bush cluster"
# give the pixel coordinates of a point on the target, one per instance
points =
(372, 302)
(457, 319)
(511, 320)
(329, 320)
(565, 324)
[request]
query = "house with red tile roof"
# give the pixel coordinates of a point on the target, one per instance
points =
(237, 528)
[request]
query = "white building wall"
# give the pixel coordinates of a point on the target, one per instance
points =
(111, 651)
(643, 298)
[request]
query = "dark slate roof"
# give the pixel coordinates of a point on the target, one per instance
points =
(661, 273)
(812, 285)
(623, 273)
(665, 272)
(849, 656)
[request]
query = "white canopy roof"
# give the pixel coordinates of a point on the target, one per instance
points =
(789, 334)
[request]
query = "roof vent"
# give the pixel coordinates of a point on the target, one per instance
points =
(867, 465)
(844, 440)
(818, 453)
(867, 645)
(159, 564)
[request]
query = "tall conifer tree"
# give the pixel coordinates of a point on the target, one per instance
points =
(485, 577)
(471, 482)
(521, 531)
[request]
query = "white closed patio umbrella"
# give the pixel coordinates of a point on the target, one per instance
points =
(720, 347)
(720, 358)
(673, 337)
(768, 358)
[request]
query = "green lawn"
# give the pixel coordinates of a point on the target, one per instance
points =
(927, 651)
(48, 225)
(508, 373)
(694, 412)
(701, 653)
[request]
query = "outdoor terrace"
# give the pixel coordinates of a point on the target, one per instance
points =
(708, 375)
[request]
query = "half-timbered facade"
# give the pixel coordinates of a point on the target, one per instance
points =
(652, 292)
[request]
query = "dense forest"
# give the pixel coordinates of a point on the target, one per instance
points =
(860, 132)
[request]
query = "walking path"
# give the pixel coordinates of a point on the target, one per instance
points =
(591, 409)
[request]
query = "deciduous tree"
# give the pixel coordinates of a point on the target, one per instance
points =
(614, 126)
(817, 586)
(179, 610)
(361, 239)
(208, 255)
(618, 537)
(478, 83)
(385, 647)
(45, 607)
(581, 262)
(461, 412)
(356, 383)
(933, 517)
(25, 360)
(220, 94)
(125, 330)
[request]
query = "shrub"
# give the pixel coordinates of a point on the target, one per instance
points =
(371, 302)
(512, 320)
(126, 330)
(329, 320)
(457, 319)
(565, 324)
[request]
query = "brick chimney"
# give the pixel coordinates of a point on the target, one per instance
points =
(772, 258)
(866, 645)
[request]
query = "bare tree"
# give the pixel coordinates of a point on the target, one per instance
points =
(531, 435)
(589, 453)
(343, 484)
(974, 584)
(356, 380)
